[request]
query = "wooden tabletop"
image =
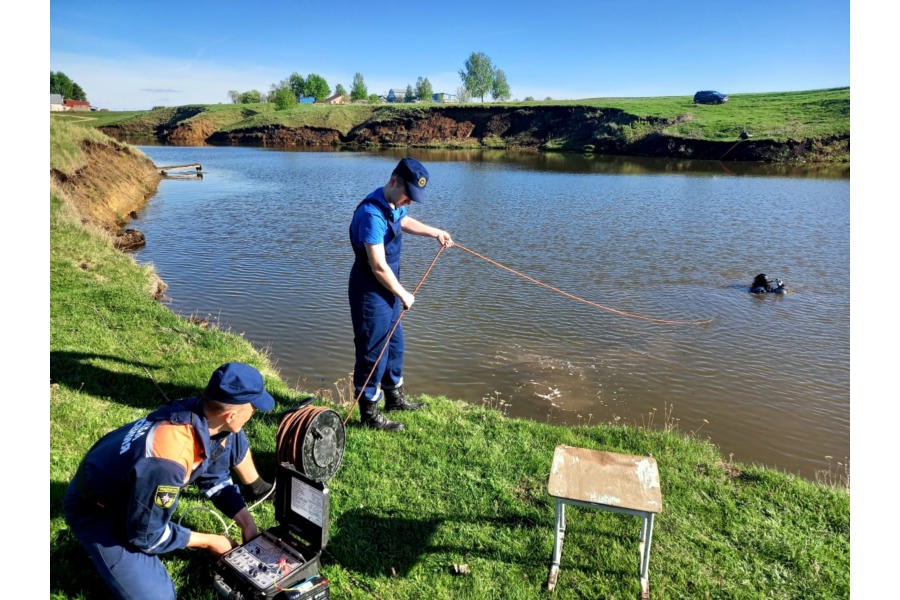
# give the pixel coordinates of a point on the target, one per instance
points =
(605, 478)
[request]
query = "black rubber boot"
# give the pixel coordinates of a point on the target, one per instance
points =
(396, 400)
(371, 418)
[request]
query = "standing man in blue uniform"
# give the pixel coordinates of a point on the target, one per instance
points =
(120, 503)
(376, 296)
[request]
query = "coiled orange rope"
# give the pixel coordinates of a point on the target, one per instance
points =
(290, 431)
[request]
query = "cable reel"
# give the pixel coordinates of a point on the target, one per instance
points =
(311, 438)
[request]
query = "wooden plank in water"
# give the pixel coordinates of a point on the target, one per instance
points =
(164, 170)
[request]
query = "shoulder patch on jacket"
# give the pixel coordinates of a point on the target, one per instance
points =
(177, 443)
(166, 495)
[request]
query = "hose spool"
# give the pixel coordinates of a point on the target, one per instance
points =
(311, 438)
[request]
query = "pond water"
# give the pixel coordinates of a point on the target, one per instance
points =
(259, 246)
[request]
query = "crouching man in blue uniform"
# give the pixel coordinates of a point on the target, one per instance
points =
(120, 503)
(376, 295)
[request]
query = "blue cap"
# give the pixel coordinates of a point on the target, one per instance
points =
(415, 175)
(237, 383)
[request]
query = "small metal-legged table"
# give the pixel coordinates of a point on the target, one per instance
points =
(607, 481)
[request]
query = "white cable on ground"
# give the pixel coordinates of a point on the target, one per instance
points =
(215, 513)
(255, 504)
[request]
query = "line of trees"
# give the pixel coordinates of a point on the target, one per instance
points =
(479, 77)
(61, 84)
(286, 92)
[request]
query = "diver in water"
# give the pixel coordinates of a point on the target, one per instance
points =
(763, 285)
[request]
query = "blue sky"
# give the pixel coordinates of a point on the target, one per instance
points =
(135, 55)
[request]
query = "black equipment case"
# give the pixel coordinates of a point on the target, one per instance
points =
(282, 563)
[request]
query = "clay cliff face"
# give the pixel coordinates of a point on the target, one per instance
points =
(114, 182)
(545, 128)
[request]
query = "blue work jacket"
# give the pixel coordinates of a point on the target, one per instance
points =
(121, 478)
(375, 222)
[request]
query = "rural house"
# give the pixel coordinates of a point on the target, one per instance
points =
(444, 97)
(76, 104)
(396, 95)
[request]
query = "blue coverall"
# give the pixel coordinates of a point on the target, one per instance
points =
(120, 503)
(373, 308)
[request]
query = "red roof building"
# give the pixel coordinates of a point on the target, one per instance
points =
(76, 104)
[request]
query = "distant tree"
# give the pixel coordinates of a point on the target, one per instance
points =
(284, 84)
(463, 95)
(339, 90)
(297, 85)
(235, 96)
(410, 95)
(358, 90)
(77, 92)
(548, 99)
(374, 99)
(424, 90)
(317, 87)
(251, 97)
(284, 99)
(478, 75)
(529, 98)
(499, 87)
(61, 84)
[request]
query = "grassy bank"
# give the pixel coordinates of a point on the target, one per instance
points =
(821, 115)
(777, 115)
(462, 485)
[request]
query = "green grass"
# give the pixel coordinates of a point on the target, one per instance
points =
(462, 485)
(101, 118)
(776, 115)
(65, 143)
(341, 118)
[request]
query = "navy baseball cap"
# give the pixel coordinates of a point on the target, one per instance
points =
(237, 383)
(415, 175)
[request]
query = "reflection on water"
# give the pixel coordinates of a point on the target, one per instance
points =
(260, 245)
(628, 165)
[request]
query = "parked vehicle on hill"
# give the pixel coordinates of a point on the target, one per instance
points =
(710, 97)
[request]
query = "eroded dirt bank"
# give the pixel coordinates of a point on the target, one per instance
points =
(552, 128)
(113, 183)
